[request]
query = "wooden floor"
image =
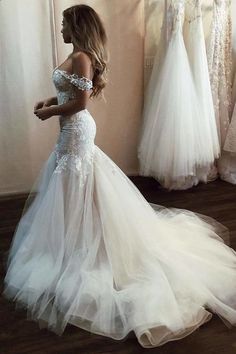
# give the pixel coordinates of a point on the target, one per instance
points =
(21, 336)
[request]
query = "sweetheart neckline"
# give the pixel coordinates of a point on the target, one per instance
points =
(73, 74)
(56, 68)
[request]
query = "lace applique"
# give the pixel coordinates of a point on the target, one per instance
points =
(80, 164)
(82, 83)
(74, 149)
(75, 146)
(219, 55)
(178, 14)
(193, 10)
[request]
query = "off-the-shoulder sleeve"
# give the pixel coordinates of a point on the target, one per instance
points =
(82, 83)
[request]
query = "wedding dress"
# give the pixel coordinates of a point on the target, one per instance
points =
(230, 148)
(220, 67)
(89, 250)
(230, 141)
(196, 48)
(219, 52)
(177, 139)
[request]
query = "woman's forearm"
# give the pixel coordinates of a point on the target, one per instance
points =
(68, 108)
(54, 100)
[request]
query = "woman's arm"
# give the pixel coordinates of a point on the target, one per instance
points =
(51, 101)
(68, 108)
(45, 103)
(81, 66)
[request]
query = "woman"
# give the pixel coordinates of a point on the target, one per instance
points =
(90, 250)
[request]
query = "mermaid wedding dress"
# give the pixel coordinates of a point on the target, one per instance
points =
(91, 251)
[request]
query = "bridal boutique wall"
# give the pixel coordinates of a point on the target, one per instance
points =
(32, 45)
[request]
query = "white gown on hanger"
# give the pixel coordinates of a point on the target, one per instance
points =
(91, 251)
(196, 48)
(219, 52)
(175, 136)
(230, 148)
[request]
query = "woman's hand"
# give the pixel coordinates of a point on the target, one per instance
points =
(45, 112)
(45, 103)
(38, 105)
(50, 101)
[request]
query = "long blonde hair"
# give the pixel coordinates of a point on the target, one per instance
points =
(88, 34)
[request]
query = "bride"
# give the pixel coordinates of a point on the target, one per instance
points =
(89, 250)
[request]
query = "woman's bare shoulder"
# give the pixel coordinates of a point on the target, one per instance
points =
(81, 57)
(81, 64)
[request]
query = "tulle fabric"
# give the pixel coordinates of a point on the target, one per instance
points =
(173, 145)
(196, 49)
(93, 253)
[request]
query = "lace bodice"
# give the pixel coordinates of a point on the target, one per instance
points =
(75, 145)
(178, 8)
(193, 10)
(67, 84)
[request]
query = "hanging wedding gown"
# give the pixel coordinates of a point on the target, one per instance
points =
(90, 250)
(230, 141)
(230, 148)
(196, 48)
(176, 140)
(220, 62)
(220, 68)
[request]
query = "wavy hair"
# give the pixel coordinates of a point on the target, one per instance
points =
(88, 34)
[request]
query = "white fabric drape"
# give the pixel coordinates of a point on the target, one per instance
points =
(26, 64)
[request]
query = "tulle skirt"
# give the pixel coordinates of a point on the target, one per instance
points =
(176, 141)
(196, 49)
(89, 250)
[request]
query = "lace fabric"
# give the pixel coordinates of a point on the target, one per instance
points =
(75, 144)
(81, 83)
(219, 54)
(178, 11)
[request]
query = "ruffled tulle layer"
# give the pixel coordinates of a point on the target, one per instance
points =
(90, 251)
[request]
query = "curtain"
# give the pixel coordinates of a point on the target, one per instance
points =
(25, 69)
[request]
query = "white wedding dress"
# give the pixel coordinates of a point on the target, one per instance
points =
(228, 165)
(197, 54)
(90, 250)
(176, 140)
(219, 50)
